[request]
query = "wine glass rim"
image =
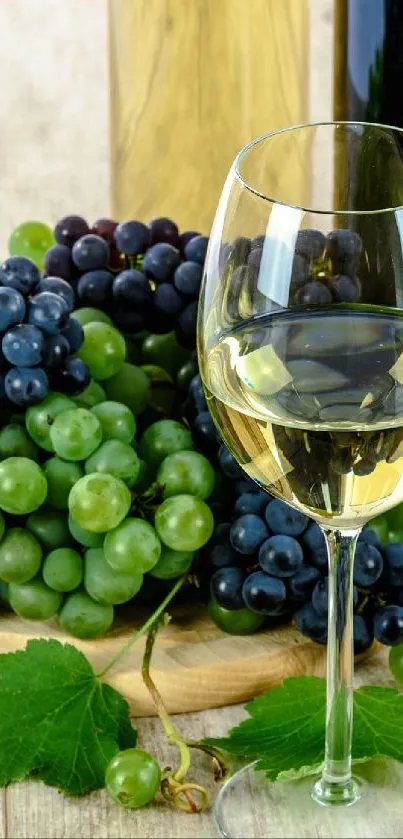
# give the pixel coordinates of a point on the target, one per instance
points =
(315, 124)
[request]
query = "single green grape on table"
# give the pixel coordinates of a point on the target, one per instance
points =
(34, 600)
(104, 584)
(103, 350)
(23, 486)
(75, 434)
(31, 239)
(20, 556)
(40, 418)
(83, 617)
(61, 476)
(133, 778)
(62, 569)
(50, 527)
(163, 438)
(184, 523)
(99, 502)
(235, 621)
(117, 421)
(133, 547)
(115, 458)
(186, 472)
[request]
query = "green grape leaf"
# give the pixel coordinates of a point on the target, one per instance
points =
(57, 719)
(286, 727)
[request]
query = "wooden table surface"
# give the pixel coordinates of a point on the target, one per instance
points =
(30, 810)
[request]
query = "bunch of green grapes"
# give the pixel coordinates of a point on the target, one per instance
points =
(76, 539)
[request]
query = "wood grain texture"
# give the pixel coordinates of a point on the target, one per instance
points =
(35, 811)
(195, 665)
(191, 82)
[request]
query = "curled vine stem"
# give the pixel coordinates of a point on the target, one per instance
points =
(186, 795)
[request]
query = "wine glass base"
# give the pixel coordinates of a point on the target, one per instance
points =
(251, 807)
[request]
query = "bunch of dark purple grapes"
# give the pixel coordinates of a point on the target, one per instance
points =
(266, 563)
(145, 277)
(38, 336)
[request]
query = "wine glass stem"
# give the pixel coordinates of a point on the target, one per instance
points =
(336, 785)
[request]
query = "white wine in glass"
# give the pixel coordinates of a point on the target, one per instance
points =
(301, 355)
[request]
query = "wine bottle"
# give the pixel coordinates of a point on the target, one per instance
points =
(368, 61)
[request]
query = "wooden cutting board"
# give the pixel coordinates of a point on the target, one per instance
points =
(195, 665)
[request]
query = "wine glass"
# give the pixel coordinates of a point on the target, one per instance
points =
(300, 341)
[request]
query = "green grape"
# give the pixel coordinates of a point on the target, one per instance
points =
(396, 663)
(103, 350)
(184, 523)
(75, 434)
(145, 477)
(163, 438)
(50, 527)
(40, 418)
(165, 351)
(133, 547)
(20, 556)
(163, 392)
(15, 442)
(133, 347)
(83, 617)
(381, 526)
(62, 569)
(115, 458)
(104, 584)
(89, 315)
(186, 473)
(61, 476)
(4, 599)
(117, 421)
(32, 239)
(91, 396)
(2, 526)
(235, 621)
(130, 386)
(99, 502)
(132, 778)
(23, 486)
(185, 375)
(34, 600)
(84, 537)
(172, 564)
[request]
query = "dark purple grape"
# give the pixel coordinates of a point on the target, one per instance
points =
(132, 237)
(186, 326)
(71, 379)
(74, 333)
(94, 288)
(105, 228)
(196, 249)
(160, 262)
(310, 244)
(25, 386)
(283, 519)
(248, 533)
(363, 637)
(196, 393)
(229, 466)
(281, 556)
(90, 253)
(309, 623)
(56, 351)
(164, 230)
(69, 229)
(302, 583)
(185, 237)
(130, 320)
(12, 307)
(346, 289)
(187, 278)
(393, 563)
(48, 311)
(132, 287)
(20, 273)
(58, 286)
(226, 587)
(314, 294)
(58, 263)
(251, 502)
(300, 270)
(344, 249)
(263, 594)
(167, 301)
(388, 625)
(368, 565)
(314, 545)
